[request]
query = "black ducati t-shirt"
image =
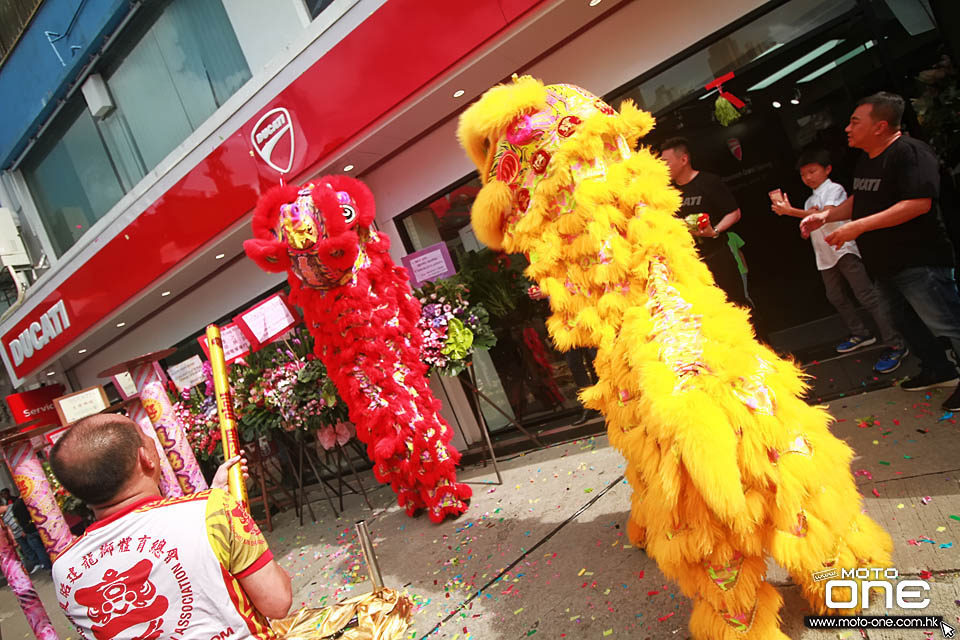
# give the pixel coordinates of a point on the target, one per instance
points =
(707, 193)
(906, 170)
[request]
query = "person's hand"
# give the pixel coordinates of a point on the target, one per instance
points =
(844, 234)
(812, 222)
(706, 232)
(536, 293)
(220, 480)
(782, 207)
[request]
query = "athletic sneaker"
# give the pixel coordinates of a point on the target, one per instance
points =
(855, 342)
(953, 402)
(928, 380)
(890, 360)
(36, 568)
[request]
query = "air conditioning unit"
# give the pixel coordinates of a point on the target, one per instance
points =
(12, 251)
(97, 95)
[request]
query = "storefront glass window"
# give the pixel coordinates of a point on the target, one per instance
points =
(800, 69)
(317, 6)
(71, 178)
(523, 374)
(746, 45)
(182, 66)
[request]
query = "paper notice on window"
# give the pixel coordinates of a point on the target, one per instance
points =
(235, 344)
(269, 319)
(125, 385)
(187, 374)
(429, 264)
(81, 404)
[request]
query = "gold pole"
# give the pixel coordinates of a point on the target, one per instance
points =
(366, 545)
(228, 421)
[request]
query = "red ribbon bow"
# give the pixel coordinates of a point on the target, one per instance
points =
(718, 85)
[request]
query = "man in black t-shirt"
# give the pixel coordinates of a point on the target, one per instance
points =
(894, 217)
(29, 539)
(706, 193)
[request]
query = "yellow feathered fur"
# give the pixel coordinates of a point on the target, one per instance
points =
(728, 464)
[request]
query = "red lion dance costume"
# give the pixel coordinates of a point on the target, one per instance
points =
(728, 464)
(358, 305)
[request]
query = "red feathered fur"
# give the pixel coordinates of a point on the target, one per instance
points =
(365, 334)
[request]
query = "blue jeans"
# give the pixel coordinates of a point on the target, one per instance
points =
(925, 305)
(39, 552)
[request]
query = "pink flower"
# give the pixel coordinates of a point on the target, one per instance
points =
(327, 437)
(344, 432)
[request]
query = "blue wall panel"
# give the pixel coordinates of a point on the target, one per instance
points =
(34, 78)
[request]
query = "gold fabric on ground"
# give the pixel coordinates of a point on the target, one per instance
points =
(382, 615)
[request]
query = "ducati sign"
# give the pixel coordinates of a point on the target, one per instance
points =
(734, 145)
(272, 139)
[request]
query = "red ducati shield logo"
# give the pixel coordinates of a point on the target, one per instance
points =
(734, 145)
(272, 139)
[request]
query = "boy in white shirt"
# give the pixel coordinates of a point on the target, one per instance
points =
(841, 265)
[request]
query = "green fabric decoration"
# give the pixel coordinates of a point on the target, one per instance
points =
(726, 113)
(735, 242)
(459, 340)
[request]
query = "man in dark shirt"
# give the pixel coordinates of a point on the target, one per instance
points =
(893, 216)
(30, 543)
(705, 193)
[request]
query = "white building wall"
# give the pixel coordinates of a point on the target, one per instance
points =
(264, 29)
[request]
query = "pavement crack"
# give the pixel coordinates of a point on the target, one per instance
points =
(919, 475)
(526, 553)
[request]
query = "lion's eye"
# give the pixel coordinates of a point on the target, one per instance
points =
(349, 213)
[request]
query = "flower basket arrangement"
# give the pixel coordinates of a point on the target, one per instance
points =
(451, 327)
(283, 386)
(196, 408)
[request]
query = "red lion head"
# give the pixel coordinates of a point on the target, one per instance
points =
(317, 231)
(123, 600)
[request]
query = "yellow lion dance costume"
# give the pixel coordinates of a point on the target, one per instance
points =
(726, 462)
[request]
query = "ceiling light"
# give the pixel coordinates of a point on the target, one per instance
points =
(51, 373)
(219, 256)
(121, 324)
(796, 64)
(82, 351)
(776, 105)
(349, 167)
(853, 53)
(164, 294)
(458, 93)
(794, 101)
(594, 3)
(770, 50)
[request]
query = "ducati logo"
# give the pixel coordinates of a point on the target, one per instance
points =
(272, 139)
(734, 145)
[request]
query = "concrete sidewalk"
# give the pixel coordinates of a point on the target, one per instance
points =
(546, 555)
